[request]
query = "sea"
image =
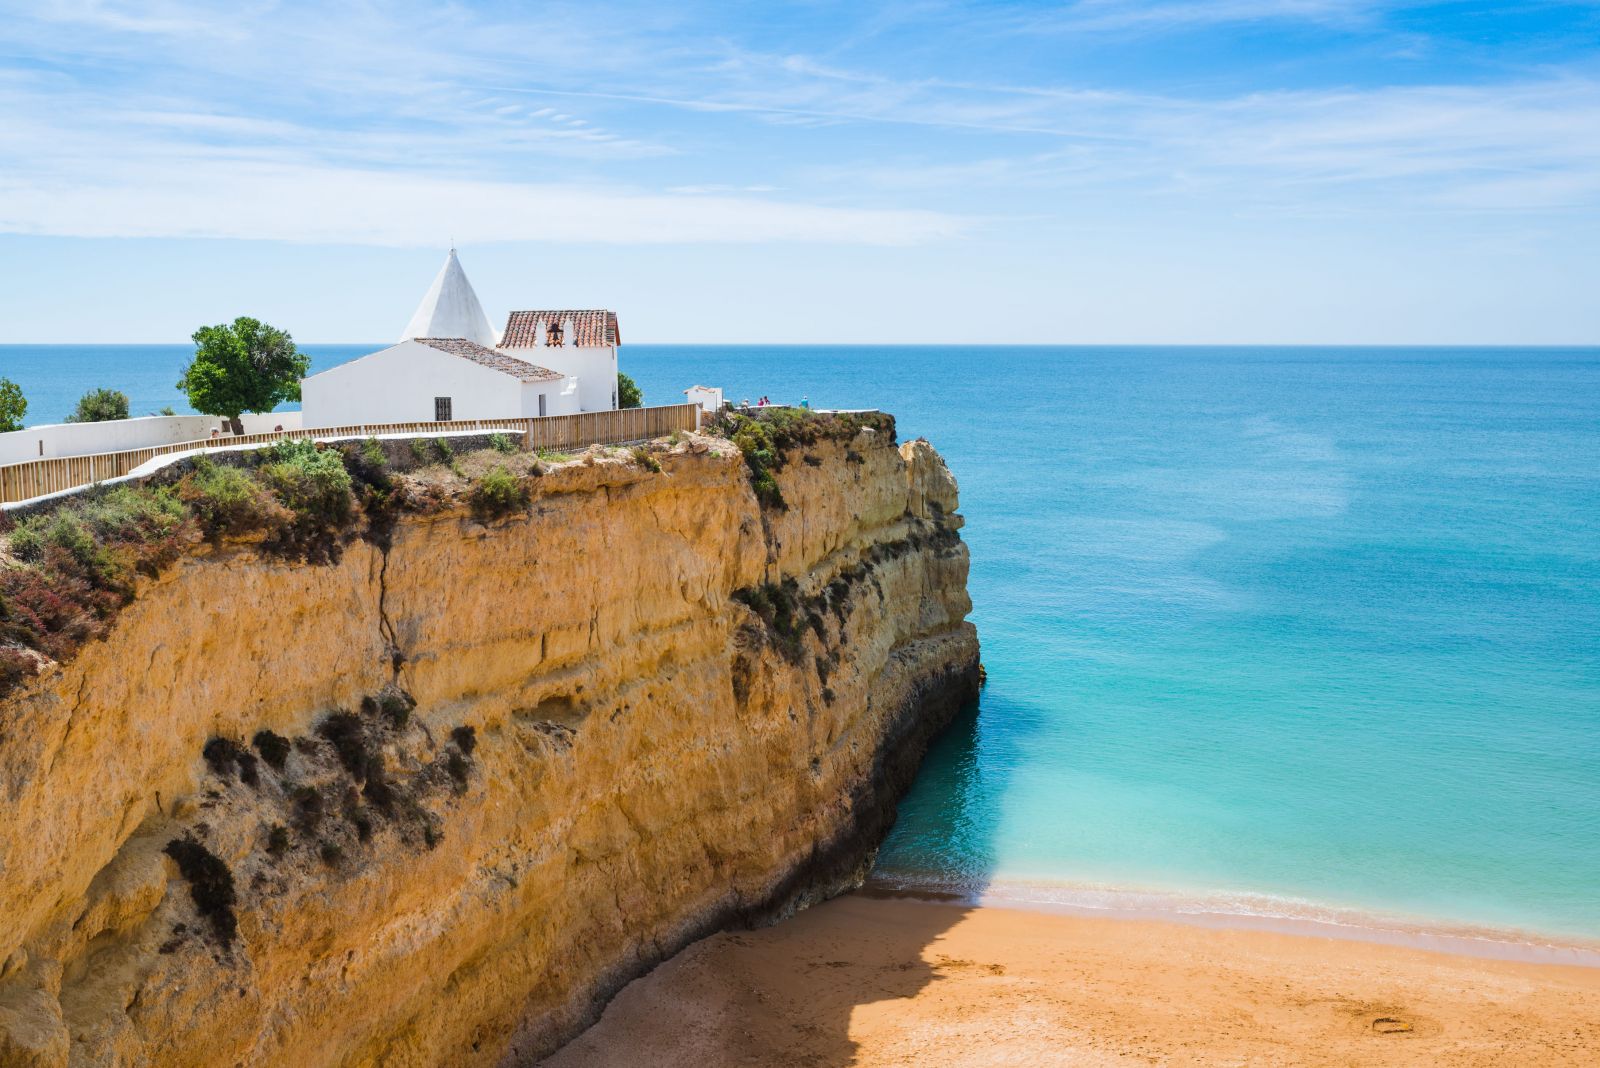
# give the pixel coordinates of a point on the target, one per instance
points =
(1298, 632)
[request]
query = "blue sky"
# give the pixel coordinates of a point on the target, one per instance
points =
(1103, 171)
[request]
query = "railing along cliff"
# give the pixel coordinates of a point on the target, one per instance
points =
(35, 478)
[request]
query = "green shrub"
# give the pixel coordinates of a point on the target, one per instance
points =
(311, 482)
(78, 570)
(551, 456)
(315, 486)
(13, 406)
(780, 608)
(99, 405)
(498, 493)
(419, 451)
(372, 452)
(84, 558)
(501, 443)
(278, 840)
(443, 450)
(105, 537)
(762, 456)
(228, 501)
(629, 395)
(646, 459)
(65, 530)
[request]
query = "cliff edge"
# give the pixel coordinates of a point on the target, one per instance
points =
(432, 798)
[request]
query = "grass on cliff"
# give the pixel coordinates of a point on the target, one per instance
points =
(73, 568)
(67, 570)
(766, 436)
(498, 493)
(785, 613)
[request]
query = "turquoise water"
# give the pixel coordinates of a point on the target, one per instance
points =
(1317, 625)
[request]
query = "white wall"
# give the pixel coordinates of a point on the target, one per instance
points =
(398, 385)
(80, 439)
(268, 421)
(115, 435)
(595, 368)
(560, 398)
(708, 397)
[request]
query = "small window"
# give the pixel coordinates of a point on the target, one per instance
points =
(441, 409)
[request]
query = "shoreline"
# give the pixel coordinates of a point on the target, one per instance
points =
(876, 981)
(1249, 912)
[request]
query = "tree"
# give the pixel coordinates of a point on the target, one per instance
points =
(629, 395)
(244, 367)
(98, 405)
(13, 405)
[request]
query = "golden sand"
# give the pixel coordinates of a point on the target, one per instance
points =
(876, 982)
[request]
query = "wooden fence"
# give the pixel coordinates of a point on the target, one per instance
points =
(35, 478)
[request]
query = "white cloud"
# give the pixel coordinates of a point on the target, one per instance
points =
(321, 204)
(368, 106)
(1101, 15)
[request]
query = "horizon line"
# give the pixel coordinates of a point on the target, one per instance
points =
(940, 344)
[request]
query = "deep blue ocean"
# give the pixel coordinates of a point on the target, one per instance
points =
(1314, 627)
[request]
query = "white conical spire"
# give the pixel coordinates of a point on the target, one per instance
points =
(451, 309)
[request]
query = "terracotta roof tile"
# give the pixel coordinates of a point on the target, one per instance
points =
(594, 327)
(494, 359)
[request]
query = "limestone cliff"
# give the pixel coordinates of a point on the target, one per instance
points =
(432, 803)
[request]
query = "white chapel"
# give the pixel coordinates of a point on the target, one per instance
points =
(451, 364)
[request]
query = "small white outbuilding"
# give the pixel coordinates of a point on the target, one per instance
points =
(708, 397)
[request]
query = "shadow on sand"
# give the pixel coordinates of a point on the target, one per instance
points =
(787, 994)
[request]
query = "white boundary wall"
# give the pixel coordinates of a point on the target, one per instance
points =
(116, 435)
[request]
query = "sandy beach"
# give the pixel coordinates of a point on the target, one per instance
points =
(873, 981)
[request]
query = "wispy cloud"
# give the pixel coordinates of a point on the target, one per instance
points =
(234, 198)
(386, 124)
(1119, 15)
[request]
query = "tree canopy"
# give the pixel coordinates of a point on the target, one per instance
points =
(245, 366)
(629, 395)
(98, 405)
(13, 405)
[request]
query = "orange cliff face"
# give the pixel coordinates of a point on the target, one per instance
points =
(436, 801)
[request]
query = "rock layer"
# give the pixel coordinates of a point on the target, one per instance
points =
(526, 760)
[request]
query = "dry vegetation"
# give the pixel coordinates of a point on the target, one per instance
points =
(67, 570)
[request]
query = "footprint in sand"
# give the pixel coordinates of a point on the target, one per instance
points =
(1380, 1019)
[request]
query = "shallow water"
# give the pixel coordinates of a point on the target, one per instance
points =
(1313, 627)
